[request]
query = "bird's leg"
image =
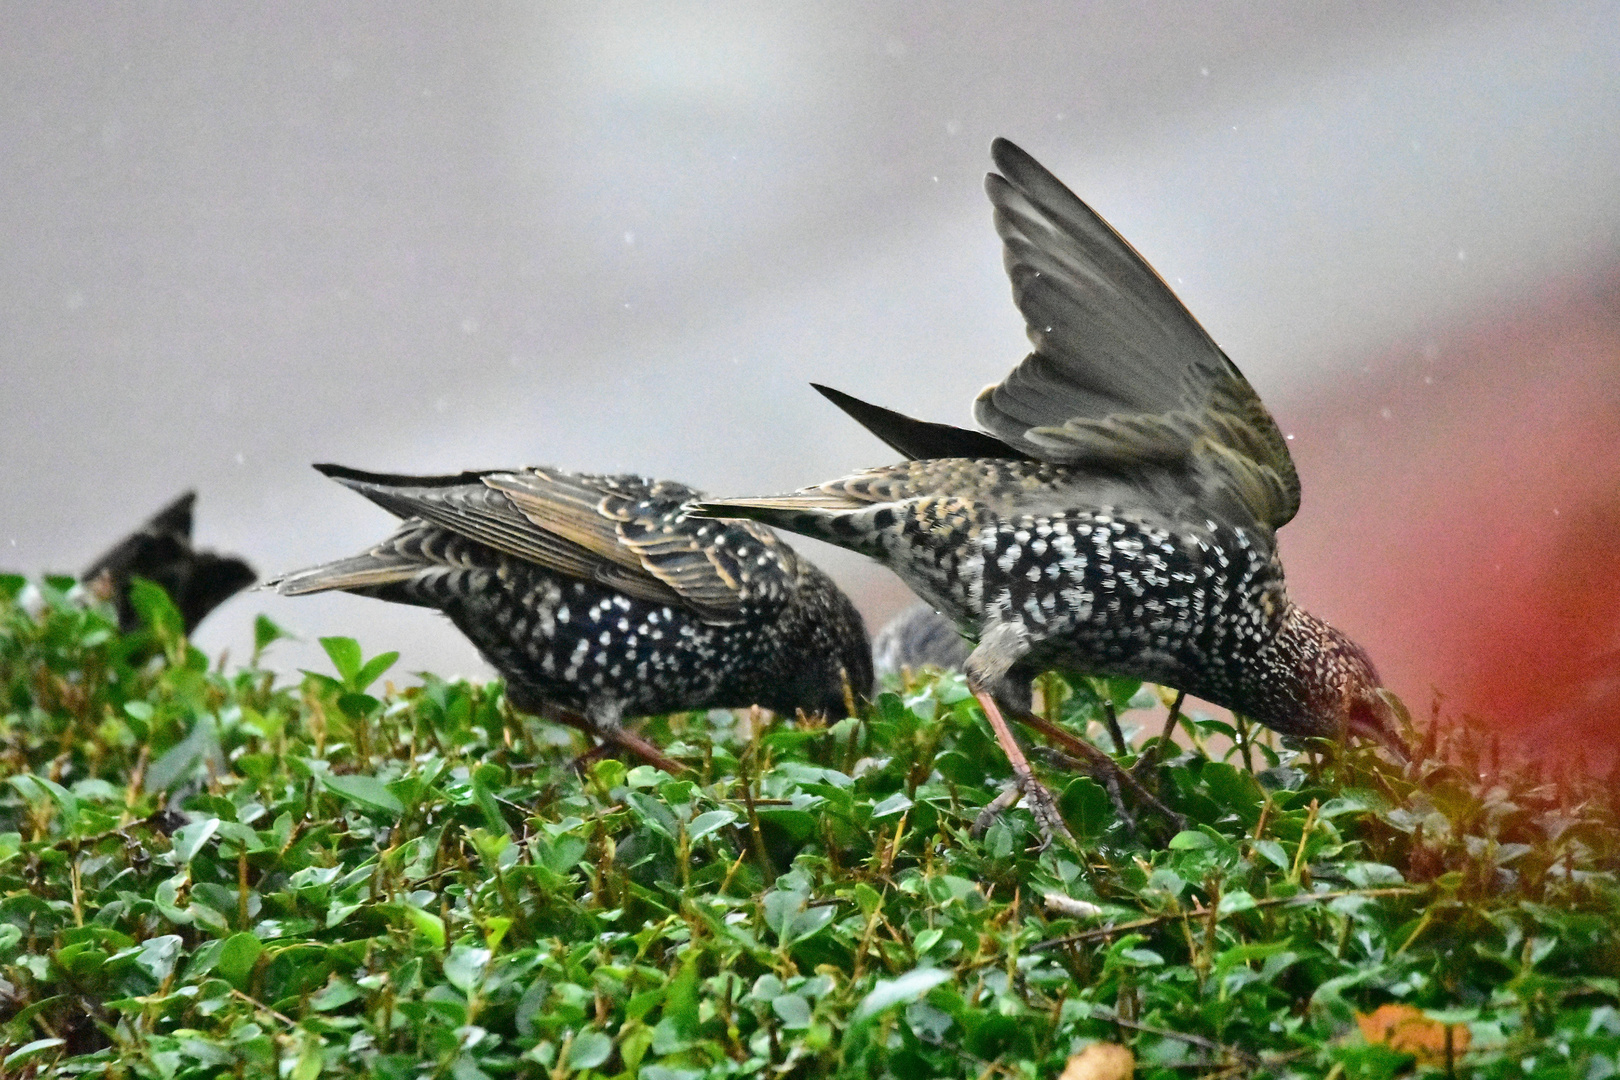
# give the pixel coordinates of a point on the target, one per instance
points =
(1000, 647)
(608, 736)
(1105, 766)
(641, 748)
(1041, 802)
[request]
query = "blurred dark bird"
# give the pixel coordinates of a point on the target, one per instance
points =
(1118, 513)
(161, 551)
(916, 638)
(598, 598)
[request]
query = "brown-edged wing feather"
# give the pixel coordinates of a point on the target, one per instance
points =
(1122, 377)
(469, 505)
(641, 533)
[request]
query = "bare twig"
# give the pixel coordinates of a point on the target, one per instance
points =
(1156, 753)
(1114, 730)
(1111, 1017)
(750, 758)
(257, 1004)
(1100, 932)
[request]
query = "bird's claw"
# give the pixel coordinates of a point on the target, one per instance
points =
(993, 809)
(1044, 806)
(1114, 776)
(1041, 802)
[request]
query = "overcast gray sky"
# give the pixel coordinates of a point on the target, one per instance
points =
(625, 236)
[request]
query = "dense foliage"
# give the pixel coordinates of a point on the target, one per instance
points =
(211, 872)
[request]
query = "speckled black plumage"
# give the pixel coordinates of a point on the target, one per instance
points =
(1118, 514)
(600, 596)
(161, 551)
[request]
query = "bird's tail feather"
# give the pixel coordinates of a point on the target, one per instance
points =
(399, 495)
(816, 513)
(358, 574)
(808, 499)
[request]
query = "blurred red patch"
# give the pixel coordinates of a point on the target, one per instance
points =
(1462, 521)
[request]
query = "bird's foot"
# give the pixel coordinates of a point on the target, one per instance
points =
(1057, 759)
(582, 763)
(1044, 806)
(1114, 778)
(1041, 802)
(626, 742)
(994, 809)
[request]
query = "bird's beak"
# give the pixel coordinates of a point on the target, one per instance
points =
(1381, 716)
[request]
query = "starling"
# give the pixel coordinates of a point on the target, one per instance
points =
(916, 638)
(161, 551)
(598, 598)
(1118, 512)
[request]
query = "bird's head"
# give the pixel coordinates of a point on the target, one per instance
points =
(1332, 689)
(1377, 714)
(823, 683)
(827, 660)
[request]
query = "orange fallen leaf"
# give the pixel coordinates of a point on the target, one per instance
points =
(1405, 1029)
(1100, 1061)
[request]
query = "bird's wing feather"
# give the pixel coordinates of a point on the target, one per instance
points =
(642, 533)
(567, 508)
(817, 511)
(174, 518)
(477, 506)
(1122, 375)
(418, 546)
(857, 491)
(716, 566)
(810, 499)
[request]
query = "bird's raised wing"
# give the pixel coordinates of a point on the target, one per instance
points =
(1122, 377)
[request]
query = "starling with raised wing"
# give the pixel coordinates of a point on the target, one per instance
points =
(598, 598)
(161, 551)
(1118, 512)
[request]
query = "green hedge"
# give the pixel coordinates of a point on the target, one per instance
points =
(210, 871)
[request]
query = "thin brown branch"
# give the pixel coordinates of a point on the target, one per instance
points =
(1200, 1041)
(1199, 912)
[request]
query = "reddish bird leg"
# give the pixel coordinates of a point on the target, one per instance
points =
(1041, 802)
(615, 739)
